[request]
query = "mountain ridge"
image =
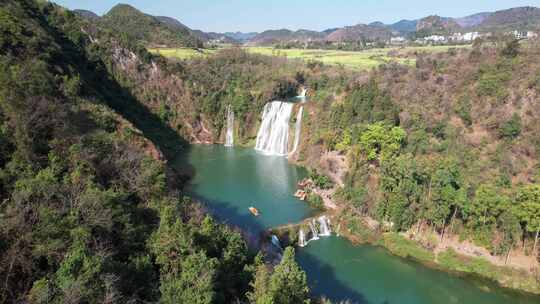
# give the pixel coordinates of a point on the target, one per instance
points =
(517, 18)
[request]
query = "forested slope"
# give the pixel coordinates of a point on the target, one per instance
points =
(90, 212)
(447, 147)
(148, 30)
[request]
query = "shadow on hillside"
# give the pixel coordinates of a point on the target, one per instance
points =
(336, 291)
(99, 85)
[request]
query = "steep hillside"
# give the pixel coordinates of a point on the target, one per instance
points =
(241, 37)
(472, 20)
(91, 211)
(284, 35)
(203, 36)
(520, 18)
(215, 37)
(444, 151)
(86, 14)
(173, 23)
(360, 32)
(436, 25)
(404, 26)
(148, 30)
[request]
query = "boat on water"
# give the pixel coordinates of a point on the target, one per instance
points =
(254, 211)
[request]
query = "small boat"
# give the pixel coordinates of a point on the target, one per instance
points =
(254, 211)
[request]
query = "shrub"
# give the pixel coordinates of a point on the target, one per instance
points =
(315, 201)
(512, 128)
(511, 49)
(381, 140)
(492, 80)
(320, 180)
(463, 110)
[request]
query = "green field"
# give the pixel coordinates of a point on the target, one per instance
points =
(355, 60)
(182, 53)
(361, 60)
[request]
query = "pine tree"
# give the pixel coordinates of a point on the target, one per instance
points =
(288, 283)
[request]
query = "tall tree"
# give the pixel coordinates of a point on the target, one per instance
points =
(528, 211)
(509, 225)
(487, 205)
(402, 184)
(448, 194)
(260, 293)
(288, 283)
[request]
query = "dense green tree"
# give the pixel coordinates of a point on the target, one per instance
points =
(528, 210)
(488, 204)
(194, 284)
(448, 194)
(288, 283)
(402, 183)
(381, 141)
(508, 223)
(260, 293)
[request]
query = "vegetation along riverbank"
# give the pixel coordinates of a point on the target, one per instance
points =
(133, 147)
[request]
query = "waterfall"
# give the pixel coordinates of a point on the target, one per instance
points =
(313, 227)
(298, 129)
(324, 227)
(275, 241)
(324, 230)
(229, 137)
(303, 93)
(273, 135)
(301, 238)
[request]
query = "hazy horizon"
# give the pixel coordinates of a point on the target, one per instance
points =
(250, 16)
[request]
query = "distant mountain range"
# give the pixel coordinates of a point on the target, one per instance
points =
(160, 30)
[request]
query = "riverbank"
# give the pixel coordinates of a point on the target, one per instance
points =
(518, 272)
(455, 259)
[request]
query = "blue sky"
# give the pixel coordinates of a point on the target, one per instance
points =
(259, 15)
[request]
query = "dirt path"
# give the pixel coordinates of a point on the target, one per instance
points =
(467, 248)
(326, 196)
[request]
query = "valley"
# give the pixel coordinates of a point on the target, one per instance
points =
(356, 60)
(142, 161)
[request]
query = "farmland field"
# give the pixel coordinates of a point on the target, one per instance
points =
(358, 60)
(182, 53)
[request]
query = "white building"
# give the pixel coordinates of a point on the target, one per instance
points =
(531, 35)
(519, 34)
(397, 40)
(435, 38)
(456, 37)
(471, 36)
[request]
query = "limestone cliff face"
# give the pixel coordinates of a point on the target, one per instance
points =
(163, 93)
(437, 25)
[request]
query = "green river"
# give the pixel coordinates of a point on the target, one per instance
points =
(230, 180)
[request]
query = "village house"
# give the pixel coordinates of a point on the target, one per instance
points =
(397, 40)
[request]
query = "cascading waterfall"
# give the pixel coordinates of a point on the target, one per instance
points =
(298, 129)
(323, 229)
(229, 136)
(323, 226)
(303, 93)
(275, 241)
(273, 135)
(301, 238)
(314, 233)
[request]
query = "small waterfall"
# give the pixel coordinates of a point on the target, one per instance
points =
(298, 129)
(313, 227)
(323, 225)
(273, 135)
(229, 137)
(303, 93)
(301, 238)
(275, 241)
